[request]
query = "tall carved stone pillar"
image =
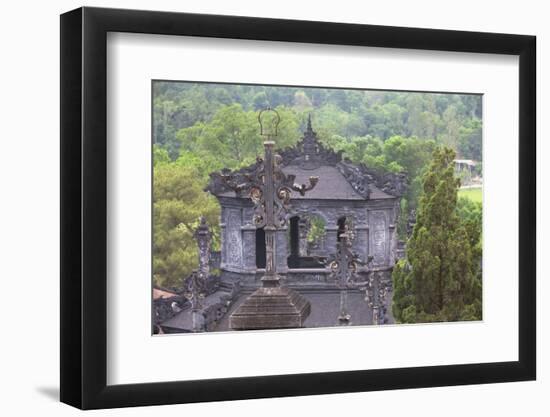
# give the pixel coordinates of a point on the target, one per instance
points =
(271, 306)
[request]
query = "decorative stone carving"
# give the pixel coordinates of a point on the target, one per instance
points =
(195, 290)
(356, 178)
(243, 201)
(377, 294)
(215, 259)
(343, 269)
(269, 188)
(251, 183)
(309, 154)
(379, 237)
(233, 243)
(393, 184)
(249, 248)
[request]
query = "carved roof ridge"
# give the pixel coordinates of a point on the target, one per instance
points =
(309, 153)
(360, 177)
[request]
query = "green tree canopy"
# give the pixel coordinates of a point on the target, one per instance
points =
(232, 136)
(179, 201)
(437, 280)
(450, 119)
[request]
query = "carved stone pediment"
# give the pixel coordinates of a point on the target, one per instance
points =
(310, 154)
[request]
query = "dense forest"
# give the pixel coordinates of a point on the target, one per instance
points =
(339, 115)
(199, 128)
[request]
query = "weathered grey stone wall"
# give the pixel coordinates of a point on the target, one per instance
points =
(378, 225)
(249, 247)
(374, 222)
(233, 242)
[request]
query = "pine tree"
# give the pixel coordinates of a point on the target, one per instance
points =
(437, 280)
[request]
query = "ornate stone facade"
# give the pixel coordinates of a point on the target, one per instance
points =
(346, 196)
(345, 192)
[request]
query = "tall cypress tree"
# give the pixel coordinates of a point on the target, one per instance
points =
(437, 280)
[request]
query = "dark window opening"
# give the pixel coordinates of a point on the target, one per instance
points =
(295, 236)
(295, 260)
(341, 227)
(260, 248)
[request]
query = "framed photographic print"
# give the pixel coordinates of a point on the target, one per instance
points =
(256, 207)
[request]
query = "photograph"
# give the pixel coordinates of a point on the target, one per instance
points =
(256, 206)
(251, 209)
(292, 207)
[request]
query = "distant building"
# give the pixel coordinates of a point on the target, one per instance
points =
(465, 169)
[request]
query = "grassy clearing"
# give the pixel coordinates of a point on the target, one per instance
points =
(474, 194)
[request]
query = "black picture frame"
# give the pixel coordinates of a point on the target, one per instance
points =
(84, 207)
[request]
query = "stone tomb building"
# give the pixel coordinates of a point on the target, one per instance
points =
(346, 193)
